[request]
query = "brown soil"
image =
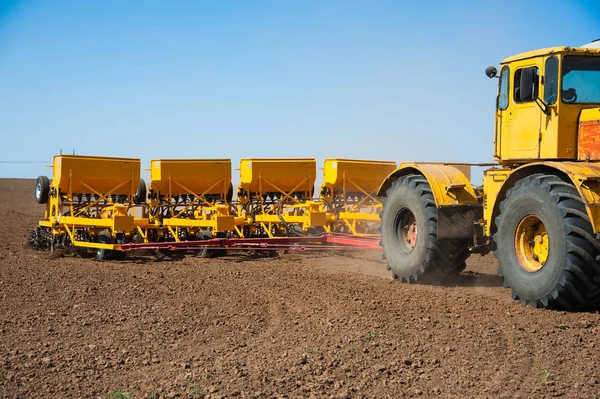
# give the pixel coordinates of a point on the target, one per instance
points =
(302, 325)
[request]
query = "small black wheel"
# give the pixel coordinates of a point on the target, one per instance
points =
(221, 251)
(119, 255)
(272, 254)
(141, 194)
(104, 237)
(409, 235)
(229, 196)
(207, 252)
(547, 251)
(42, 189)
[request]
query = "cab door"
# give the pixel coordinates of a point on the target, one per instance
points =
(551, 144)
(524, 121)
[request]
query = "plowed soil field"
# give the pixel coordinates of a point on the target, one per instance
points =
(298, 326)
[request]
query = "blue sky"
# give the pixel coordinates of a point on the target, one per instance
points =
(389, 80)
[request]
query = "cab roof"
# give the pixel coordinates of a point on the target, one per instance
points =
(552, 50)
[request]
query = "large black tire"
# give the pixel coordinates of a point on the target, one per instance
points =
(141, 194)
(568, 276)
(417, 257)
(104, 237)
(42, 189)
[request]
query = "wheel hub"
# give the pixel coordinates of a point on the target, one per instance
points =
(531, 243)
(406, 230)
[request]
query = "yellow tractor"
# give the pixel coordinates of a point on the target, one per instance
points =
(539, 206)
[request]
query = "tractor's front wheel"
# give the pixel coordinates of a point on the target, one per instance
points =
(546, 247)
(409, 234)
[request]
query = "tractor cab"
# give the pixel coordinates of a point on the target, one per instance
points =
(548, 106)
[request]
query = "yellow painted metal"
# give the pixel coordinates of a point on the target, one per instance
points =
(95, 245)
(192, 195)
(276, 193)
(450, 185)
(112, 222)
(525, 133)
(216, 223)
(584, 175)
(357, 216)
(353, 175)
(529, 140)
(531, 243)
(285, 175)
(557, 50)
(70, 231)
(349, 194)
(87, 174)
(312, 219)
(521, 122)
(493, 183)
(90, 194)
(589, 114)
(190, 176)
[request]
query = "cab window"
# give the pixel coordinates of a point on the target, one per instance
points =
(551, 80)
(526, 84)
(504, 89)
(580, 80)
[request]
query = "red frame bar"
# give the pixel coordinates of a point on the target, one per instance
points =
(306, 243)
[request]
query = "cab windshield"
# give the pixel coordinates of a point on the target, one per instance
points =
(580, 79)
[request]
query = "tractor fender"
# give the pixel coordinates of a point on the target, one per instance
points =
(585, 177)
(449, 185)
(455, 198)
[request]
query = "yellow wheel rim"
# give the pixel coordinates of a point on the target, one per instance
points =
(531, 243)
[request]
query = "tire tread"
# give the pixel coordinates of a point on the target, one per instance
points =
(577, 287)
(444, 258)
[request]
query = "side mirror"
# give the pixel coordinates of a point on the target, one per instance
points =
(526, 85)
(491, 72)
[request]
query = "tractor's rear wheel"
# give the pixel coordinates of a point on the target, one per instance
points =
(409, 235)
(546, 247)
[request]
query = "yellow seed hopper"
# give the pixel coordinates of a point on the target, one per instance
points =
(275, 195)
(90, 202)
(191, 198)
(348, 194)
